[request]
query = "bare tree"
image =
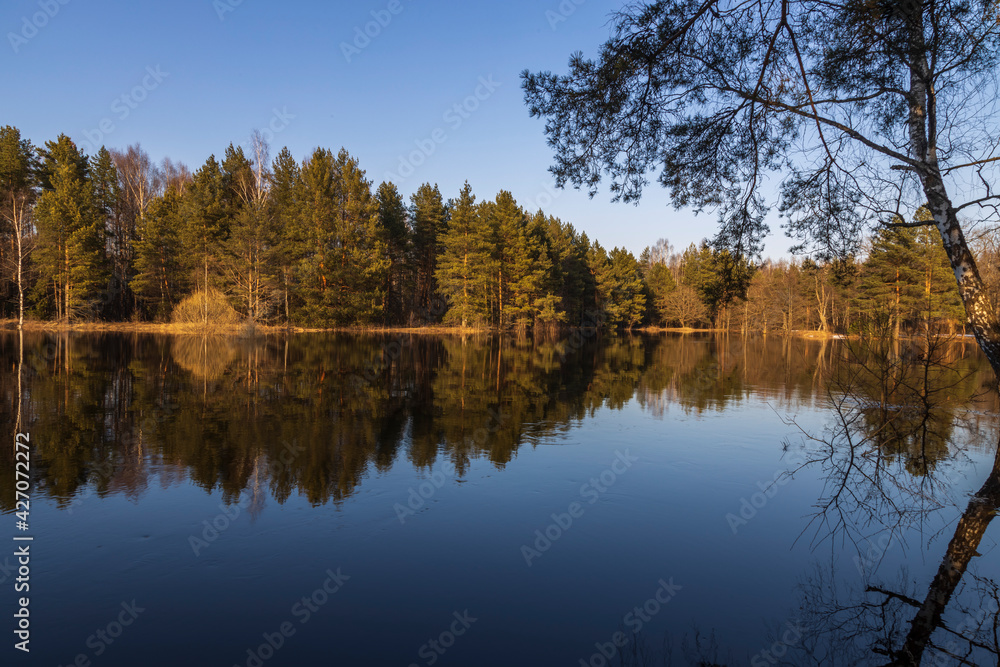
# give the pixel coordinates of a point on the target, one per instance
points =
(140, 182)
(683, 305)
(17, 197)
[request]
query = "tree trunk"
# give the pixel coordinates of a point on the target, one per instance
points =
(922, 126)
(19, 232)
(963, 547)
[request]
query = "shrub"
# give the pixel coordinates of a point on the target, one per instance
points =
(192, 310)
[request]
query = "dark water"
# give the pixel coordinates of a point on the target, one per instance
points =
(404, 500)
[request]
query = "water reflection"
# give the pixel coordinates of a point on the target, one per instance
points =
(316, 415)
(897, 414)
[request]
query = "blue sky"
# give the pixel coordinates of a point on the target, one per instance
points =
(187, 77)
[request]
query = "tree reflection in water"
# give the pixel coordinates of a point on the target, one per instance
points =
(898, 416)
(314, 415)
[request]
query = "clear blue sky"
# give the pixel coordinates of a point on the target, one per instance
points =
(225, 67)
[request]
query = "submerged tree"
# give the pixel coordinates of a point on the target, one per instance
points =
(871, 109)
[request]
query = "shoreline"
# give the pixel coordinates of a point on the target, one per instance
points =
(245, 329)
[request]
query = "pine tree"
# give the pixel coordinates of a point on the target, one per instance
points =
(161, 278)
(430, 219)
(108, 202)
(531, 276)
(206, 226)
(343, 263)
(568, 251)
(939, 297)
(315, 235)
(71, 256)
(363, 261)
(506, 220)
(620, 290)
(285, 212)
(464, 266)
(658, 278)
(393, 230)
(890, 291)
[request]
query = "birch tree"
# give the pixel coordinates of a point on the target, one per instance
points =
(865, 110)
(17, 195)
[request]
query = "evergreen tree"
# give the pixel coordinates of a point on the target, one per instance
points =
(206, 226)
(890, 292)
(568, 251)
(343, 263)
(658, 277)
(506, 220)
(363, 257)
(532, 278)
(620, 290)
(393, 230)
(108, 203)
(161, 278)
(71, 256)
(286, 211)
(315, 235)
(939, 297)
(464, 267)
(430, 218)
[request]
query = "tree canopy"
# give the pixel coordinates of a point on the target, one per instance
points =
(867, 111)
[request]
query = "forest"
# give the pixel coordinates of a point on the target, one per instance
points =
(119, 237)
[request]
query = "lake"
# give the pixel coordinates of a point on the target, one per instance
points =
(420, 500)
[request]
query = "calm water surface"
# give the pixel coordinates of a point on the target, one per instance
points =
(404, 500)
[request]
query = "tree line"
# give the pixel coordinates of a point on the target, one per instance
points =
(314, 243)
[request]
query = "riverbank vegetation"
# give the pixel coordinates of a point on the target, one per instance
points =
(117, 238)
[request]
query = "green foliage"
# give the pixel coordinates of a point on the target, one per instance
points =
(310, 244)
(907, 280)
(718, 276)
(71, 259)
(341, 262)
(394, 232)
(620, 292)
(465, 266)
(429, 218)
(161, 279)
